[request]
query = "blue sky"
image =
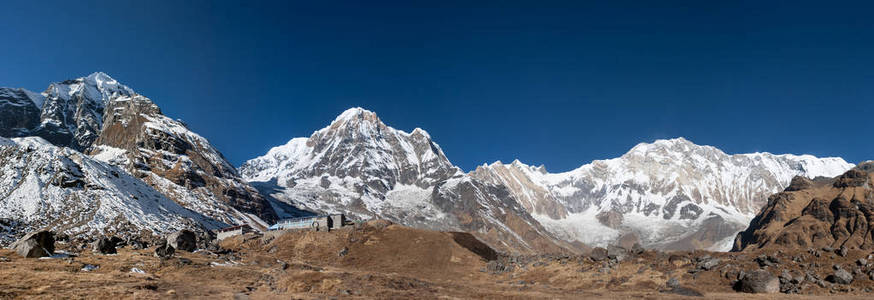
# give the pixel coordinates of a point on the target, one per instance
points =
(554, 83)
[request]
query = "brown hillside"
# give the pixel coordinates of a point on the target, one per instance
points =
(812, 214)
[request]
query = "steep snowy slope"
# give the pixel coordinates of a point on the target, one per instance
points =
(102, 117)
(363, 168)
(42, 185)
(669, 194)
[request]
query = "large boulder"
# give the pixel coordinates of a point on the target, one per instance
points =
(598, 254)
(758, 281)
(184, 240)
(35, 244)
(840, 276)
(164, 250)
(104, 246)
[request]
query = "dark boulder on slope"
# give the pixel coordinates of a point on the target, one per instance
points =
(104, 246)
(758, 282)
(35, 244)
(184, 240)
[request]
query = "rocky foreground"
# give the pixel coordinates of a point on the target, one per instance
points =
(381, 260)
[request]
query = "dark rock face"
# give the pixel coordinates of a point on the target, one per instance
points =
(184, 240)
(758, 281)
(19, 115)
(35, 244)
(104, 246)
(817, 216)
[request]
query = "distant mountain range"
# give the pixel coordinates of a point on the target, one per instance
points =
(90, 155)
(670, 194)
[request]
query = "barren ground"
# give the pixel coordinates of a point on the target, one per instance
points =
(393, 262)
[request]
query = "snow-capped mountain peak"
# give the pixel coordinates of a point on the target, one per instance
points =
(670, 193)
(364, 168)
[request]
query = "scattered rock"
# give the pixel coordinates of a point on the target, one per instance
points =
(672, 283)
(637, 249)
(104, 246)
(598, 254)
(89, 268)
(758, 281)
(343, 252)
(767, 260)
(35, 244)
(840, 276)
(496, 267)
(617, 253)
(684, 291)
(164, 251)
(135, 244)
(118, 242)
(843, 251)
(706, 263)
(184, 240)
(862, 262)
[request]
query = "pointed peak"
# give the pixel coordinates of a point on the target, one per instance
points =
(354, 113)
(678, 143)
(99, 76)
(421, 131)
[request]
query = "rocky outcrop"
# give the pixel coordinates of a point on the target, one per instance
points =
(832, 213)
(35, 244)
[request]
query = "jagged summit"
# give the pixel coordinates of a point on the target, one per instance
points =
(355, 113)
(366, 169)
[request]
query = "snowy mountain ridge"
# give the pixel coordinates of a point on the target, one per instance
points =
(669, 193)
(366, 169)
